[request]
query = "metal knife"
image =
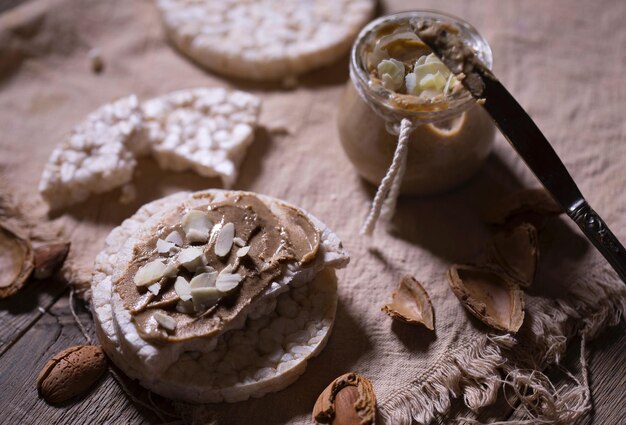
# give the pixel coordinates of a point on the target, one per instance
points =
(522, 133)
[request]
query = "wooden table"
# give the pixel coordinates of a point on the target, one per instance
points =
(37, 323)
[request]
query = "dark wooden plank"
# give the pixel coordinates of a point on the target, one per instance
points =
(19, 312)
(107, 403)
(21, 363)
(607, 369)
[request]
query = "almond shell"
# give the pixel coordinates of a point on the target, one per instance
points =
(49, 257)
(348, 400)
(489, 296)
(411, 304)
(16, 261)
(527, 205)
(516, 253)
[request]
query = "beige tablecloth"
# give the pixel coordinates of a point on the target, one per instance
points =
(564, 61)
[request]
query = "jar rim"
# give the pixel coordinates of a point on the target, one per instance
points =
(379, 97)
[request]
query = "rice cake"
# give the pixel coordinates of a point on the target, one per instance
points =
(264, 40)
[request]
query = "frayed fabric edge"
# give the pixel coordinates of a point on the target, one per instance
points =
(471, 372)
(475, 371)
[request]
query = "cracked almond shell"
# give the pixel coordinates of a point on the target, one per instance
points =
(16, 261)
(489, 296)
(516, 253)
(410, 303)
(528, 205)
(49, 257)
(348, 400)
(71, 373)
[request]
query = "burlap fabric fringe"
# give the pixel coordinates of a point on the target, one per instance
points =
(476, 371)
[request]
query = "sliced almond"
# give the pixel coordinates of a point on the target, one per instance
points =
(204, 269)
(204, 280)
(150, 272)
(155, 288)
(191, 257)
(204, 297)
(243, 251)
(171, 269)
(197, 226)
(238, 241)
(528, 205)
(411, 304)
(215, 231)
(516, 253)
(227, 281)
(175, 238)
(165, 321)
(165, 247)
(182, 288)
(489, 296)
(16, 261)
(224, 242)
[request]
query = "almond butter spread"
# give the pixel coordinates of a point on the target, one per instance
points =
(446, 39)
(396, 59)
(204, 266)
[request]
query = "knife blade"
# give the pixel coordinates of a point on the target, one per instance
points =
(522, 133)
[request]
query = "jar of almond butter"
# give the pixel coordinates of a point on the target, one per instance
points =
(393, 76)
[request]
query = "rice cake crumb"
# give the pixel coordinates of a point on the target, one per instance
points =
(206, 130)
(98, 156)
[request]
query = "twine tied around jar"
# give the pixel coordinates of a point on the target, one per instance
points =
(384, 204)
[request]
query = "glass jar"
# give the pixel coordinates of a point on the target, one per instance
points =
(453, 135)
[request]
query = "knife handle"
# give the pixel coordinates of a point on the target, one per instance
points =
(601, 236)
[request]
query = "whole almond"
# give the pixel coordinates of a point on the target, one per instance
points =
(71, 373)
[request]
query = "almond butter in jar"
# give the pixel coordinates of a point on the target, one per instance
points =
(393, 75)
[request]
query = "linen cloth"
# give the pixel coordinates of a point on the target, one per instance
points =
(563, 60)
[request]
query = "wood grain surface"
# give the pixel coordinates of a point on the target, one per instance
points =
(50, 332)
(43, 334)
